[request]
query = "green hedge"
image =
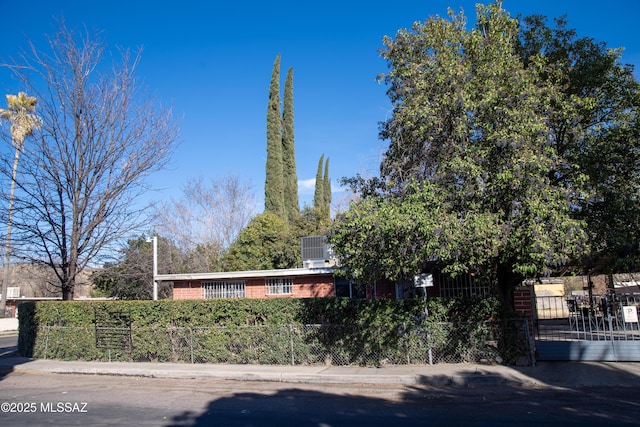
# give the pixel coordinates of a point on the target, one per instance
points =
(67, 330)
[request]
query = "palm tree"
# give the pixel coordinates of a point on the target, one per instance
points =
(20, 113)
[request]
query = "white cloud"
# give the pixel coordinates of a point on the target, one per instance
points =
(307, 186)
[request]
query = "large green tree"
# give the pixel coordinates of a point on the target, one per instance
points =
(322, 192)
(318, 194)
(290, 175)
(595, 128)
(281, 184)
(274, 182)
(467, 182)
(264, 244)
(326, 184)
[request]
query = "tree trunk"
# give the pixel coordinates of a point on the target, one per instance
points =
(507, 282)
(68, 289)
(7, 247)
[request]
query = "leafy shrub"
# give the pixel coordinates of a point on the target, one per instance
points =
(265, 330)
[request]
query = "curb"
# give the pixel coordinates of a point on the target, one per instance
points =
(554, 375)
(221, 374)
(309, 375)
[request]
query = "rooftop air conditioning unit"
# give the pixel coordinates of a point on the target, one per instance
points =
(13, 292)
(316, 252)
(315, 263)
(314, 247)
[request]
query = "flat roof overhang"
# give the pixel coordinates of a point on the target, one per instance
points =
(221, 275)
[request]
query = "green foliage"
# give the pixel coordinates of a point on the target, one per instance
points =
(326, 183)
(291, 202)
(311, 223)
(318, 195)
(132, 277)
(281, 185)
(274, 183)
(595, 129)
(322, 193)
(513, 152)
(398, 237)
(265, 244)
(259, 330)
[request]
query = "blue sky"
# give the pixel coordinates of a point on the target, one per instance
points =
(212, 61)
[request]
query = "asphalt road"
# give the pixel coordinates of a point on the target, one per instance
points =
(28, 399)
(8, 344)
(36, 398)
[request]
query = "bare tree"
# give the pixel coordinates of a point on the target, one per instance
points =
(207, 219)
(100, 139)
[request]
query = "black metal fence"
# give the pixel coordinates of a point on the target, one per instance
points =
(588, 317)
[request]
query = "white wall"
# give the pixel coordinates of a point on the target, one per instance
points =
(10, 324)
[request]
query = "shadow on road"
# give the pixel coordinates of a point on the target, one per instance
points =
(554, 374)
(440, 400)
(297, 407)
(8, 354)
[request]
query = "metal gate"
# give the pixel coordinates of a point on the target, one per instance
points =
(588, 327)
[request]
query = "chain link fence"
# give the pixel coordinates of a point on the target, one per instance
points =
(427, 343)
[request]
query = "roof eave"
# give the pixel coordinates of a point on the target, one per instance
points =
(221, 275)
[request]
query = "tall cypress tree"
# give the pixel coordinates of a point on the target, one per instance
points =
(318, 195)
(290, 177)
(274, 183)
(327, 188)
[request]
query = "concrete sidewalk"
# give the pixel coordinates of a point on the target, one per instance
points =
(547, 374)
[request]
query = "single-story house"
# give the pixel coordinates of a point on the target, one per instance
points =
(306, 283)
(291, 282)
(295, 282)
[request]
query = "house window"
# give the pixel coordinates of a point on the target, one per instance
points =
(224, 289)
(350, 289)
(463, 285)
(279, 286)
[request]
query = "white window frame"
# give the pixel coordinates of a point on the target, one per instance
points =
(279, 285)
(224, 289)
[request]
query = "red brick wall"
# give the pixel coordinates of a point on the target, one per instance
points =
(523, 301)
(303, 287)
(255, 288)
(314, 286)
(187, 290)
(523, 304)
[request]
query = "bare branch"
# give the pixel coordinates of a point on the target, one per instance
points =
(207, 219)
(100, 138)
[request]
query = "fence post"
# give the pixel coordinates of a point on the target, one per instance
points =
(191, 344)
(426, 318)
(293, 357)
(613, 340)
(530, 344)
(46, 342)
